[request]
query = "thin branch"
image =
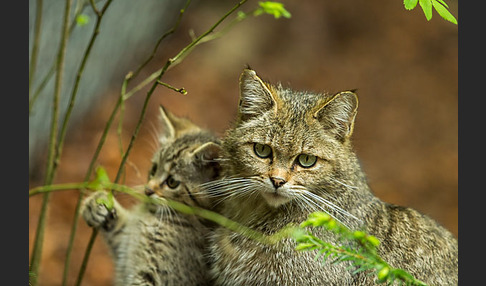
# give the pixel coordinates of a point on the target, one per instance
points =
(35, 45)
(57, 187)
(86, 179)
(39, 237)
(285, 232)
(95, 10)
(87, 253)
(184, 52)
(72, 100)
(168, 33)
(52, 69)
(181, 90)
(120, 120)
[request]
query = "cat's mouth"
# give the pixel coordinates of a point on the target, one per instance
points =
(275, 198)
(156, 200)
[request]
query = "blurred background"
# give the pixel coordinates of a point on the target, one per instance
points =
(405, 70)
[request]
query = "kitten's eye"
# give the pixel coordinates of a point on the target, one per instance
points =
(171, 182)
(306, 160)
(153, 170)
(262, 150)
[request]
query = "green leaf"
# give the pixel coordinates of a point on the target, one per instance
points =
(299, 234)
(101, 180)
(441, 2)
(241, 15)
(373, 240)
(443, 12)
(82, 19)
(427, 8)
(273, 8)
(410, 4)
(304, 246)
(383, 274)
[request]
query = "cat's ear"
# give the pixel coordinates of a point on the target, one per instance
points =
(173, 126)
(256, 96)
(208, 151)
(207, 156)
(337, 114)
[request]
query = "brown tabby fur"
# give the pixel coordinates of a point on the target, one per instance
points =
(268, 193)
(153, 244)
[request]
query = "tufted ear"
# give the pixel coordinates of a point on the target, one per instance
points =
(256, 96)
(173, 126)
(337, 114)
(206, 156)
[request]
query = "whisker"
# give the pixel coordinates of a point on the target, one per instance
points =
(320, 207)
(317, 202)
(334, 206)
(231, 187)
(343, 184)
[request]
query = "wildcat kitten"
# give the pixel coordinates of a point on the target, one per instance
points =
(153, 244)
(289, 154)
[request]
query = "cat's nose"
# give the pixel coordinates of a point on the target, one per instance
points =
(277, 182)
(149, 191)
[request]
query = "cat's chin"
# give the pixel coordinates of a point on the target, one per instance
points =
(274, 199)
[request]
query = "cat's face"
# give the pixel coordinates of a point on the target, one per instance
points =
(185, 160)
(289, 145)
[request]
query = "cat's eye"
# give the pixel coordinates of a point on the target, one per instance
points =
(306, 160)
(153, 170)
(172, 183)
(262, 150)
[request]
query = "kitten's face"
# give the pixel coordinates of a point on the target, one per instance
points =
(285, 143)
(184, 161)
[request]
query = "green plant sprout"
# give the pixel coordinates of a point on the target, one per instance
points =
(364, 256)
(272, 8)
(82, 20)
(439, 5)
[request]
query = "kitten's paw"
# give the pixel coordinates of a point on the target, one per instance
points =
(96, 214)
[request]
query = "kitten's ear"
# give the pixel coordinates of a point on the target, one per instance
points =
(256, 96)
(208, 151)
(173, 126)
(206, 155)
(337, 114)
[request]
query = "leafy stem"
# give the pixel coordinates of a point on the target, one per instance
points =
(101, 182)
(364, 256)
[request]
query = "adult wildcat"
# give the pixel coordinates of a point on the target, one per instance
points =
(153, 244)
(289, 154)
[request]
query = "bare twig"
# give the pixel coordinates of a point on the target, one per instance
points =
(39, 237)
(72, 100)
(187, 50)
(35, 45)
(33, 97)
(92, 239)
(179, 90)
(168, 33)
